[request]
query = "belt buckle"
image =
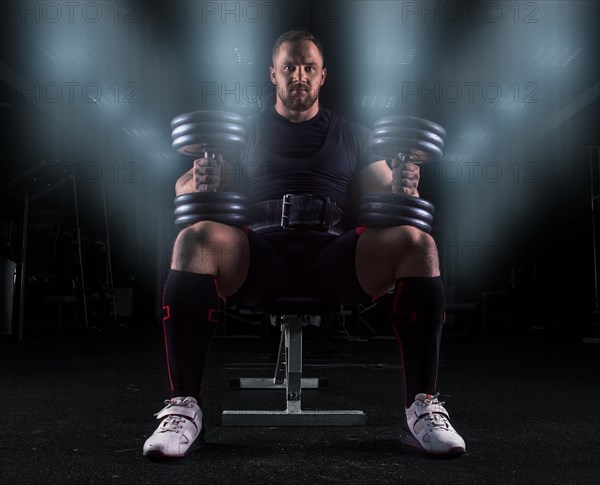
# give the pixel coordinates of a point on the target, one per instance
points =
(325, 224)
(285, 212)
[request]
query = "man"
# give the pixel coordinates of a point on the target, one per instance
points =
(299, 147)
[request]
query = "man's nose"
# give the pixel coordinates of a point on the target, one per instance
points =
(299, 76)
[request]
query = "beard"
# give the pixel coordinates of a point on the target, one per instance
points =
(297, 101)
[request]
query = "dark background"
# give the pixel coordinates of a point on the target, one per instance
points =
(89, 90)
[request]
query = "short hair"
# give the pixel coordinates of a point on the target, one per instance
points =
(294, 36)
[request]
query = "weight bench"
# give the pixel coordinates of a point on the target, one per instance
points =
(292, 314)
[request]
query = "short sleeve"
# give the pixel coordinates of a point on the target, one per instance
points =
(360, 143)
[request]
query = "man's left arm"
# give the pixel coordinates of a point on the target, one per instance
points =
(377, 177)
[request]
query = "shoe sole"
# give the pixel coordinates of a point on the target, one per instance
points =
(408, 439)
(156, 455)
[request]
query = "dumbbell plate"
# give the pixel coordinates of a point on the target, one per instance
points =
(211, 208)
(408, 134)
(229, 219)
(397, 199)
(396, 210)
(214, 127)
(419, 150)
(411, 122)
(234, 198)
(195, 145)
(207, 116)
(385, 220)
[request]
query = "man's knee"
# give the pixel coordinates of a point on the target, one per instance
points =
(408, 250)
(203, 234)
(417, 243)
(205, 243)
(417, 253)
(403, 241)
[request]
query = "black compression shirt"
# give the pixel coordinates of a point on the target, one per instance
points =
(321, 156)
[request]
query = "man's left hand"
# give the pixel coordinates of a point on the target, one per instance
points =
(405, 177)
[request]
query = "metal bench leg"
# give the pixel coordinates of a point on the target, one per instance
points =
(293, 415)
(293, 359)
(279, 380)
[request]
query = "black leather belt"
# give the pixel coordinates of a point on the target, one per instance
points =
(295, 211)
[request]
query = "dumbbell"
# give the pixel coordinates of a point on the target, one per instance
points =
(407, 139)
(208, 134)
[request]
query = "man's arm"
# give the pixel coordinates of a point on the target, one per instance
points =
(377, 177)
(185, 183)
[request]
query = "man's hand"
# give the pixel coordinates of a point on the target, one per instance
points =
(405, 177)
(206, 174)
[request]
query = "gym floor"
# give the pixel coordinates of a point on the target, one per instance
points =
(77, 409)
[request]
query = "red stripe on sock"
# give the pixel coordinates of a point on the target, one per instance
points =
(221, 297)
(399, 341)
(167, 317)
(167, 354)
(397, 292)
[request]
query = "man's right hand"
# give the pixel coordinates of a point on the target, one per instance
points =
(205, 176)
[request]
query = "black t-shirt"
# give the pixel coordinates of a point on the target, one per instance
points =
(321, 156)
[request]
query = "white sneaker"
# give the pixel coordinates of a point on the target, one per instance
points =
(429, 427)
(179, 430)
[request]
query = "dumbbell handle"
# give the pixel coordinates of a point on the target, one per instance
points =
(210, 153)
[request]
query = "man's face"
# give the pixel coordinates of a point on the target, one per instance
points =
(298, 74)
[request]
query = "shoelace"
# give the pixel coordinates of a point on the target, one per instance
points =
(435, 420)
(172, 423)
(170, 403)
(432, 419)
(434, 400)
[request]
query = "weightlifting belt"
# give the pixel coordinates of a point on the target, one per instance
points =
(295, 211)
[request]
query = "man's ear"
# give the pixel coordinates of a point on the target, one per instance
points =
(323, 76)
(272, 74)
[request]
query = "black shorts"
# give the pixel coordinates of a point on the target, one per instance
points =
(311, 265)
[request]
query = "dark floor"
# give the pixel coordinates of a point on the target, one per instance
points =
(78, 410)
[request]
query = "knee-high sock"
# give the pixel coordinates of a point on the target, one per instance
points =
(417, 317)
(190, 317)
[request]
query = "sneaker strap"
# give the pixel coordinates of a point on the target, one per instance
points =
(172, 408)
(431, 409)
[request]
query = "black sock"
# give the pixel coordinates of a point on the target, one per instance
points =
(417, 318)
(190, 317)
